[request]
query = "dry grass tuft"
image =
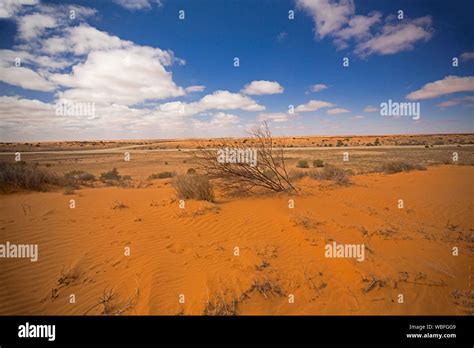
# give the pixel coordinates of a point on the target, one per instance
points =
(193, 187)
(17, 176)
(399, 166)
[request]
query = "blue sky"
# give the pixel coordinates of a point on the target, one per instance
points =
(150, 74)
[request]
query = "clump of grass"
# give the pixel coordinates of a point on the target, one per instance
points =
(111, 175)
(15, 176)
(318, 163)
(330, 172)
(191, 171)
(162, 175)
(193, 187)
(69, 190)
(119, 205)
(297, 174)
(302, 164)
(79, 175)
(400, 166)
(219, 307)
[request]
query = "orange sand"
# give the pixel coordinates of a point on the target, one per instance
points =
(190, 251)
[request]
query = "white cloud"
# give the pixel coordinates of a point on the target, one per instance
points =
(371, 34)
(370, 108)
(218, 120)
(83, 39)
(275, 117)
(313, 105)
(329, 16)
(454, 102)
(137, 4)
(23, 76)
(262, 87)
(125, 76)
(8, 8)
(467, 56)
(337, 111)
(191, 89)
(318, 87)
(225, 100)
(32, 26)
(397, 37)
(448, 85)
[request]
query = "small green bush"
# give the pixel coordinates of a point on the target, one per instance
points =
(318, 163)
(111, 175)
(162, 175)
(302, 164)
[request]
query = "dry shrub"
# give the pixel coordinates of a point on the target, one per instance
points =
(162, 175)
(193, 186)
(330, 172)
(302, 164)
(270, 172)
(79, 175)
(111, 175)
(15, 176)
(399, 166)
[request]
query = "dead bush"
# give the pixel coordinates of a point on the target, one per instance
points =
(16, 176)
(330, 172)
(399, 166)
(193, 186)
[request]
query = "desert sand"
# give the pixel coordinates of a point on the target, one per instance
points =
(191, 251)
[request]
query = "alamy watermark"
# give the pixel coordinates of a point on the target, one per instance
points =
(230, 155)
(67, 108)
(10, 250)
(392, 108)
(335, 250)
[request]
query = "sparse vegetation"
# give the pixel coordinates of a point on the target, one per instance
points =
(162, 175)
(119, 205)
(399, 166)
(79, 175)
(318, 163)
(330, 172)
(302, 164)
(20, 175)
(242, 176)
(69, 190)
(111, 175)
(193, 187)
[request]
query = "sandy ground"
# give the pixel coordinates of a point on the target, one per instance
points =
(191, 251)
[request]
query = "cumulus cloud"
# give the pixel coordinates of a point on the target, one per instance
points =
(81, 40)
(218, 120)
(313, 105)
(125, 76)
(448, 85)
(225, 100)
(371, 33)
(318, 87)
(337, 111)
(8, 8)
(397, 37)
(262, 87)
(275, 117)
(328, 16)
(32, 26)
(137, 4)
(23, 76)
